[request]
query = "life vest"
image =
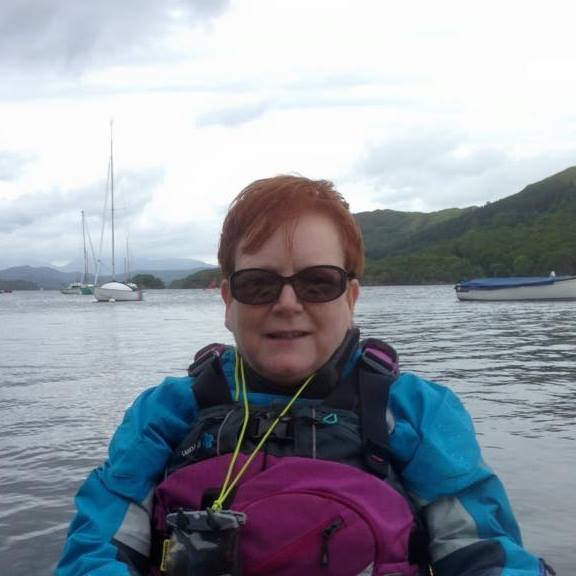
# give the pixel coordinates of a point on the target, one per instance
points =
(321, 497)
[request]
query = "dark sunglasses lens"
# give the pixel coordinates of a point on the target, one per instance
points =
(320, 284)
(255, 286)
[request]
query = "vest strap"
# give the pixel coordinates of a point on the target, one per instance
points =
(374, 391)
(210, 386)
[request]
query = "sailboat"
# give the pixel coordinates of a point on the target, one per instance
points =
(115, 291)
(72, 288)
(82, 287)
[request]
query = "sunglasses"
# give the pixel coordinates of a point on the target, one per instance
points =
(315, 284)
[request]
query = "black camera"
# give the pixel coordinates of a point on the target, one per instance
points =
(203, 543)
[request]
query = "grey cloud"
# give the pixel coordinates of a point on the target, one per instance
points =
(176, 241)
(412, 160)
(44, 211)
(46, 226)
(61, 241)
(426, 171)
(320, 94)
(49, 230)
(65, 34)
(233, 115)
(12, 164)
(429, 167)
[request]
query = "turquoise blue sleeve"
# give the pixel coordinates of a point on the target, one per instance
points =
(471, 524)
(110, 532)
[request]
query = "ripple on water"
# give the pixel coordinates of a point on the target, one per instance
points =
(61, 398)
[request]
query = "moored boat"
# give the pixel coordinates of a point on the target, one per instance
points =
(117, 292)
(72, 288)
(78, 288)
(518, 288)
(82, 287)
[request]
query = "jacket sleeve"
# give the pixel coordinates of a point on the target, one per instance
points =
(110, 534)
(471, 525)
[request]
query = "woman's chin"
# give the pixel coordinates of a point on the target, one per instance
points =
(286, 375)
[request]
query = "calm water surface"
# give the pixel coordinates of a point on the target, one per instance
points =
(69, 367)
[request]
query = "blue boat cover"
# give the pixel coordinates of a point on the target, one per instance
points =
(512, 282)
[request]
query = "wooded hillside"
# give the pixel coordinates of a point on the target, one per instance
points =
(529, 233)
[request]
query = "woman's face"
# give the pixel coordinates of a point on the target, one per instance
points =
(290, 339)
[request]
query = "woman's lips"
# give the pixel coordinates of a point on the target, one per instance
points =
(287, 334)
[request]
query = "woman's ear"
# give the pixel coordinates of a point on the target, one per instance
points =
(225, 291)
(352, 293)
(227, 297)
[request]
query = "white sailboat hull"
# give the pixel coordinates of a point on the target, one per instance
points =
(117, 292)
(557, 289)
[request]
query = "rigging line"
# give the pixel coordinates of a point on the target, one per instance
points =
(84, 251)
(91, 245)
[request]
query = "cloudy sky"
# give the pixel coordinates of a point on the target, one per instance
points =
(411, 105)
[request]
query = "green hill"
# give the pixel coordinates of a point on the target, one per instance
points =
(386, 231)
(529, 233)
(203, 279)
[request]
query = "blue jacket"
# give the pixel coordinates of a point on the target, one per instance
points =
(471, 525)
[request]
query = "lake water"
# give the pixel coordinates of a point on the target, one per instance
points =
(70, 366)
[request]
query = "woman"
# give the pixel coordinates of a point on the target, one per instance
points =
(291, 255)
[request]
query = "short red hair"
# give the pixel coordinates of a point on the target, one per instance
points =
(268, 204)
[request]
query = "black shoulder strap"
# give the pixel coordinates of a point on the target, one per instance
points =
(377, 370)
(374, 391)
(210, 386)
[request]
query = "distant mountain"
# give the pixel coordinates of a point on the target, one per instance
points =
(154, 264)
(168, 276)
(42, 277)
(54, 279)
(528, 233)
(10, 285)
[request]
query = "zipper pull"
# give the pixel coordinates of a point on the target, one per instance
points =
(326, 535)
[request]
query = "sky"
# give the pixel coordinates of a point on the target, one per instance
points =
(412, 106)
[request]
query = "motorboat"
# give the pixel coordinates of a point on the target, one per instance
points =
(550, 287)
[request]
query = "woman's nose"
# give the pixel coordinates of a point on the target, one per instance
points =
(288, 300)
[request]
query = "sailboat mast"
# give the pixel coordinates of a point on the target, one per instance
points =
(112, 197)
(127, 262)
(85, 279)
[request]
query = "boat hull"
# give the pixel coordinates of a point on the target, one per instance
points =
(552, 289)
(70, 291)
(117, 292)
(78, 288)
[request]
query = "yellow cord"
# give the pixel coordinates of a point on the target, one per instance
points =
(217, 504)
(228, 486)
(236, 387)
